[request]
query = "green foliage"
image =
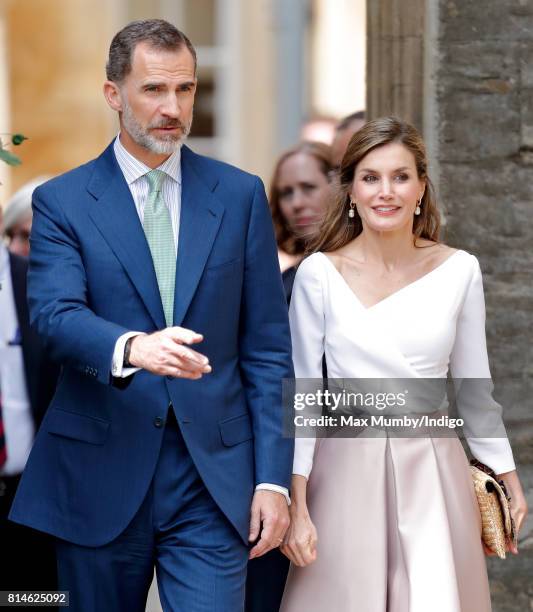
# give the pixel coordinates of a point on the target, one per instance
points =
(18, 139)
(8, 157)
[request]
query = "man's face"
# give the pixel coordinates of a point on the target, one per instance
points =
(19, 236)
(155, 100)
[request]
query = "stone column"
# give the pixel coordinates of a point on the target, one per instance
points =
(395, 59)
(484, 137)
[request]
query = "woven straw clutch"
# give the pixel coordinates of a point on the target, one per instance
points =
(497, 523)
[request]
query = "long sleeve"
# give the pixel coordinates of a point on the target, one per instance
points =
(469, 367)
(57, 294)
(264, 346)
(306, 316)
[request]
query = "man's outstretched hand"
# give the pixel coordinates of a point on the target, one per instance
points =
(166, 353)
(269, 508)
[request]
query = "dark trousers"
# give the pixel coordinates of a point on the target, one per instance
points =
(199, 557)
(265, 582)
(28, 556)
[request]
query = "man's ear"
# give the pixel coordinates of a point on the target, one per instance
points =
(113, 95)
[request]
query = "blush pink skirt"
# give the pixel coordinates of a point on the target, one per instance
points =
(398, 530)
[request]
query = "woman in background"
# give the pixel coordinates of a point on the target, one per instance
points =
(390, 523)
(300, 192)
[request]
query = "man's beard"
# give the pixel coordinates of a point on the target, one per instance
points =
(166, 144)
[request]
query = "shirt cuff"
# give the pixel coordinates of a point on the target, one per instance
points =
(265, 486)
(117, 365)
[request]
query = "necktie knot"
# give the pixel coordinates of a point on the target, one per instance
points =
(155, 179)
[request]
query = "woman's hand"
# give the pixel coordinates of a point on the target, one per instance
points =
(299, 544)
(518, 503)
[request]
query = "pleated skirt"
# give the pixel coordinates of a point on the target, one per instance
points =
(398, 528)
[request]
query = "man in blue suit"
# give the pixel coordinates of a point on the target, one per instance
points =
(154, 453)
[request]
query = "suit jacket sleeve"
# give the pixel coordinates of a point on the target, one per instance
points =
(265, 346)
(57, 294)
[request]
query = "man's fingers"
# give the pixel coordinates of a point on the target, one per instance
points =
(255, 523)
(185, 358)
(183, 335)
(270, 539)
(192, 356)
(178, 373)
(264, 543)
(260, 548)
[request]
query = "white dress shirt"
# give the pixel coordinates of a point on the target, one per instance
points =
(19, 429)
(135, 174)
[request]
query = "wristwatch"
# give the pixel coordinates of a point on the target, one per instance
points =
(127, 350)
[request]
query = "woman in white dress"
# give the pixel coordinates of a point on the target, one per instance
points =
(389, 524)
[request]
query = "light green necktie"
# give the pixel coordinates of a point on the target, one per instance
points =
(158, 229)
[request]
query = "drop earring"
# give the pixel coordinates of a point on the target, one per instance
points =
(417, 209)
(351, 212)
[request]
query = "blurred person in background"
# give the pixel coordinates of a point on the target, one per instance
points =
(27, 383)
(18, 217)
(344, 131)
(319, 129)
(299, 196)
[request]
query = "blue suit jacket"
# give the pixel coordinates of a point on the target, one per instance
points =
(92, 279)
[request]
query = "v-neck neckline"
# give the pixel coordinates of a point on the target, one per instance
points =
(394, 293)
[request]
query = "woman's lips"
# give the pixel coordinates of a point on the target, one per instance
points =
(385, 211)
(305, 220)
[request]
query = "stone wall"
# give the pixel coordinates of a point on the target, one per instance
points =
(464, 70)
(484, 135)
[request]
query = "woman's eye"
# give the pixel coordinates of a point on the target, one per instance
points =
(285, 193)
(402, 177)
(370, 178)
(308, 187)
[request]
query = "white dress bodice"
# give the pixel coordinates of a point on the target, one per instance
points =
(430, 327)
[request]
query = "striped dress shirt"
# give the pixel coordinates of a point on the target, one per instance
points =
(135, 174)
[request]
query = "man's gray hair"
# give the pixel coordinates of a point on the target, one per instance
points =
(158, 33)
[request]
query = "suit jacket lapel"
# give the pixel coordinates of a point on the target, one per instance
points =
(201, 215)
(116, 218)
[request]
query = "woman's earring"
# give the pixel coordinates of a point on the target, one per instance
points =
(351, 212)
(417, 209)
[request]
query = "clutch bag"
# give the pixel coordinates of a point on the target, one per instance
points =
(496, 520)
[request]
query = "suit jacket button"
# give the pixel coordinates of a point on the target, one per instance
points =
(159, 422)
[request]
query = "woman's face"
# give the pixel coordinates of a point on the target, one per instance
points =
(386, 188)
(304, 193)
